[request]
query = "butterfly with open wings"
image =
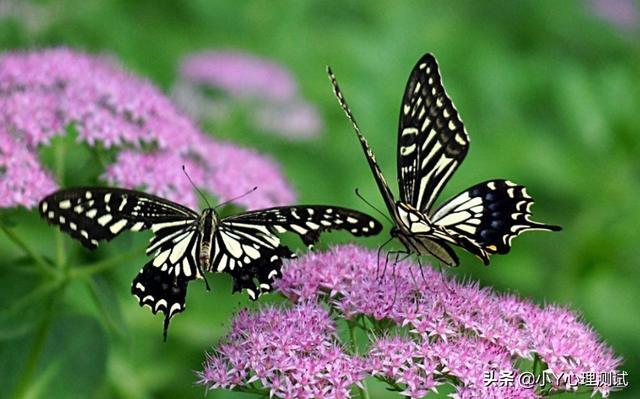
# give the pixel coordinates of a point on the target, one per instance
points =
(186, 244)
(432, 143)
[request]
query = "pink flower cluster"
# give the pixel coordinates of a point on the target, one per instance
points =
(455, 327)
(266, 87)
(622, 13)
(293, 353)
(42, 93)
(22, 178)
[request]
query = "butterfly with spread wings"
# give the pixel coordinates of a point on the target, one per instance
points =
(432, 143)
(186, 244)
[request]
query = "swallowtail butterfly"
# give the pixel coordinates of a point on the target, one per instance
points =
(186, 244)
(432, 143)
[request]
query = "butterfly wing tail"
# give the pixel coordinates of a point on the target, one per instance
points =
(161, 292)
(490, 214)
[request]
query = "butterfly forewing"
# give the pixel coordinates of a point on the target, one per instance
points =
(387, 196)
(93, 214)
(490, 215)
(432, 141)
(309, 221)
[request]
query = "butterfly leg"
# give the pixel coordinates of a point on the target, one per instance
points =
(444, 280)
(393, 273)
(424, 279)
(378, 257)
(386, 262)
(206, 282)
(416, 285)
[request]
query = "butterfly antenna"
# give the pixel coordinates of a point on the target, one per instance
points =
(184, 169)
(371, 205)
(238, 197)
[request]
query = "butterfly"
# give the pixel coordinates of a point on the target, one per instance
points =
(432, 143)
(186, 244)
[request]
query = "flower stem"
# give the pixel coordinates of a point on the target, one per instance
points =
(109, 322)
(364, 392)
(98, 267)
(39, 261)
(37, 348)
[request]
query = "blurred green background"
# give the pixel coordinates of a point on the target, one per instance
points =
(549, 92)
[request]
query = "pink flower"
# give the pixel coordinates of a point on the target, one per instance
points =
(225, 170)
(239, 74)
(22, 179)
(294, 353)
(266, 88)
(623, 13)
(42, 93)
(456, 329)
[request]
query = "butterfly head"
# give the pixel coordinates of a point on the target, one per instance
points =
(411, 221)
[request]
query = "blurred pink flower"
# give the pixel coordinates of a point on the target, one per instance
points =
(239, 74)
(22, 179)
(622, 13)
(266, 87)
(44, 92)
(223, 169)
(296, 120)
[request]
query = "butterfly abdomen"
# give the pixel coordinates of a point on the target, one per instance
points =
(207, 226)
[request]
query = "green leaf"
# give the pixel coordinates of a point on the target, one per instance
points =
(73, 363)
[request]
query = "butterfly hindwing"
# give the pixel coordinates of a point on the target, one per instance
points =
(249, 249)
(432, 141)
(94, 214)
(490, 215)
(160, 291)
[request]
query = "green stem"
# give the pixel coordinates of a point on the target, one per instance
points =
(37, 348)
(536, 364)
(97, 154)
(39, 261)
(34, 295)
(108, 320)
(98, 267)
(364, 392)
(252, 390)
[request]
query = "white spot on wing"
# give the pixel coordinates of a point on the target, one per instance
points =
(232, 245)
(117, 226)
(137, 227)
(161, 258)
(180, 248)
(66, 204)
(298, 229)
(104, 219)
